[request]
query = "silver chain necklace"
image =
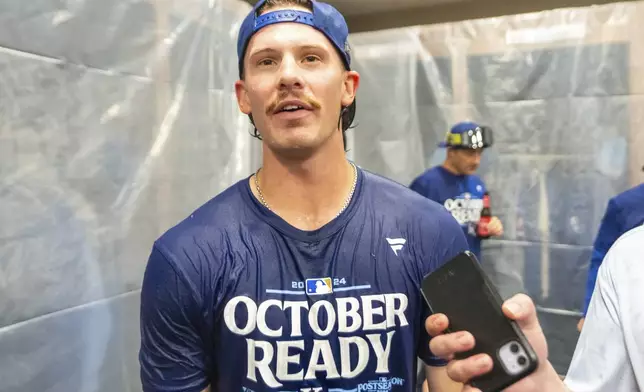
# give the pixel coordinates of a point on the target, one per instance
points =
(346, 202)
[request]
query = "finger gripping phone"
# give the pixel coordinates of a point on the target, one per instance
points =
(461, 290)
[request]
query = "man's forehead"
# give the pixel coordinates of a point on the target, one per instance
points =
(287, 35)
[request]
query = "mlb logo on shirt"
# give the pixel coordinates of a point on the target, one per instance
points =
(319, 286)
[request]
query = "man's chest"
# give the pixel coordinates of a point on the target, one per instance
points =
(355, 261)
(329, 310)
(464, 205)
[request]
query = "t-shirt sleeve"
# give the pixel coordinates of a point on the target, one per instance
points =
(448, 241)
(172, 353)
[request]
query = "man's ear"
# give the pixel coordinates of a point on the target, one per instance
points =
(351, 83)
(242, 97)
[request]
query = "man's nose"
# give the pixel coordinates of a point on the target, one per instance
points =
(290, 74)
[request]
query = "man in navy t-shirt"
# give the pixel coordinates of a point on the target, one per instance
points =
(454, 184)
(306, 275)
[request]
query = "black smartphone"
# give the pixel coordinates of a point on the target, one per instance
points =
(461, 290)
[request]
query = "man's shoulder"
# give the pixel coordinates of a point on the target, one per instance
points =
(633, 237)
(475, 180)
(396, 194)
(391, 197)
(429, 175)
(425, 218)
(628, 247)
(208, 223)
(631, 198)
(623, 262)
(627, 208)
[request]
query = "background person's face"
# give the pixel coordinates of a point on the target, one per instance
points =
(294, 65)
(466, 161)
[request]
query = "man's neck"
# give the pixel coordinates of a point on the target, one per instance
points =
(306, 193)
(447, 165)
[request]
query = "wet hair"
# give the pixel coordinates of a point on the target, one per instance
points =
(270, 4)
(347, 114)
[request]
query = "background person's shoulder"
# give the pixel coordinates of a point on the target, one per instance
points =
(396, 195)
(397, 200)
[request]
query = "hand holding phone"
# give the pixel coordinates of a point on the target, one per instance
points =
(461, 291)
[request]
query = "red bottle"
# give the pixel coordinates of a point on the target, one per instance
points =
(486, 216)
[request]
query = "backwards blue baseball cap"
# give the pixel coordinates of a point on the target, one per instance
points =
(323, 18)
(468, 134)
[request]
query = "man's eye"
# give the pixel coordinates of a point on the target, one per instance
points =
(311, 59)
(265, 62)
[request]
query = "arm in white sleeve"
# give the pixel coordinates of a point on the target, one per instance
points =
(609, 356)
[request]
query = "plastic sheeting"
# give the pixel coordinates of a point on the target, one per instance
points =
(117, 118)
(562, 90)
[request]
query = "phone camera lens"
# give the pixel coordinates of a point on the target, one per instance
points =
(514, 348)
(522, 360)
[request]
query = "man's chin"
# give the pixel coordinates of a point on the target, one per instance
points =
(298, 137)
(294, 153)
(297, 141)
(293, 147)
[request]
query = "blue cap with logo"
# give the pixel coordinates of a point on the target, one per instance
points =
(469, 135)
(324, 18)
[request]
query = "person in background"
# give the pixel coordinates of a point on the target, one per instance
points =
(455, 186)
(609, 356)
(624, 212)
(304, 276)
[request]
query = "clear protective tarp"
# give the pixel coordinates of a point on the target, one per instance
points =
(562, 90)
(117, 119)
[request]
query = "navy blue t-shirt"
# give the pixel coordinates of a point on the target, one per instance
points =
(235, 297)
(462, 195)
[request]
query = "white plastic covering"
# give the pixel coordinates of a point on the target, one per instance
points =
(562, 91)
(117, 118)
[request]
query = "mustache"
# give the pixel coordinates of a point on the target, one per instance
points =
(309, 100)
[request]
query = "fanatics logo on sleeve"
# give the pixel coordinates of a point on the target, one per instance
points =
(319, 286)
